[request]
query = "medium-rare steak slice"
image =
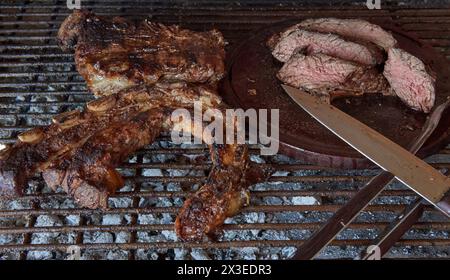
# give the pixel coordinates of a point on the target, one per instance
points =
(410, 80)
(330, 44)
(114, 53)
(330, 77)
(353, 29)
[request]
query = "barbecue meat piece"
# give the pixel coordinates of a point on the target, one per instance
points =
(80, 151)
(329, 77)
(148, 67)
(78, 141)
(114, 53)
(88, 173)
(409, 78)
(223, 195)
(330, 44)
(353, 29)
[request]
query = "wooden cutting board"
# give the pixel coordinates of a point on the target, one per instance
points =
(251, 83)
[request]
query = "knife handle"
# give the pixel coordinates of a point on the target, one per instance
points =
(444, 204)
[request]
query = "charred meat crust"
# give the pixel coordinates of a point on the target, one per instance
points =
(88, 172)
(112, 54)
(223, 195)
(39, 149)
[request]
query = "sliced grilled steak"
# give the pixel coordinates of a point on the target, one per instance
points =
(330, 77)
(114, 53)
(330, 44)
(354, 29)
(410, 80)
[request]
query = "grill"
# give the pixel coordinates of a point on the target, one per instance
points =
(38, 81)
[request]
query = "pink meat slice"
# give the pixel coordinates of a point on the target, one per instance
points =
(350, 28)
(329, 77)
(330, 44)
(410, 80)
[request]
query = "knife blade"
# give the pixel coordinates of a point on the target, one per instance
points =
(406, 167)
(350, 210)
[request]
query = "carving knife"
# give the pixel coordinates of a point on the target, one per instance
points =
(406, 167)
(350, 210)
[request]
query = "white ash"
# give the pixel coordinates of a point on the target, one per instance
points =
(11, 238)
(72, 220)
(152, 236)
(288, 217)
(177, 172)
(428, 252)
(8, 121)
(18, 204)
(280, 173)
(122, 237)
(152, 173)
(142, 254)
(120, 202)
(117, 255)
(199, 254)
(146, 219)
(39, 255)
(104, 255)
(305, 200)
(169, 235)
(112, 219)
(48, 220)
(98, 237)
(427, 234)
(173, 187)
(345, 252)
(350, 233)
(180, 253)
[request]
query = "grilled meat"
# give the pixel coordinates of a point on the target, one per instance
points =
(223, 195)
(77, 146)
(329, 77)
(335, 67)
(143, 72)
(88, 173)
(330, 44)
(409, 78)
(353, 29)
(113, 53)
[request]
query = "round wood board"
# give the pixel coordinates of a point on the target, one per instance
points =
(251, 83)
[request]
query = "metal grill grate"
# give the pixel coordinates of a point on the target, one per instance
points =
(37, 81)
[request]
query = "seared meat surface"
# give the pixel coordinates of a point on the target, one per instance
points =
(410, 80)
(223, 195)
(330, 44)
(88, 172)
(114, 53)
(329, 77)
(88, 145)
